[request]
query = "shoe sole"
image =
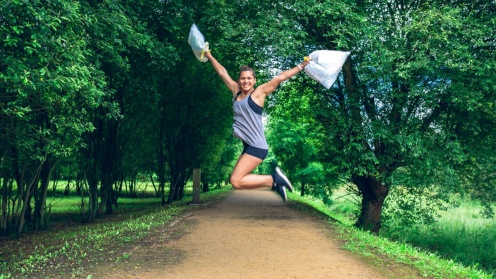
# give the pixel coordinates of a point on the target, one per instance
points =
(281, 174)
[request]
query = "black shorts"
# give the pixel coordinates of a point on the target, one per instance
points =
(254, 151)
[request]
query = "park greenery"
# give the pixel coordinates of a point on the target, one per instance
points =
(102, 94)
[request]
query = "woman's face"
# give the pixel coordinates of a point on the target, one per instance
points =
(246, 80)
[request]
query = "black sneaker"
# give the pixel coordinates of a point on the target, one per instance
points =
(281, 190)
(281, 179)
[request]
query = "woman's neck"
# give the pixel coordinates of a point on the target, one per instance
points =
(246, 93)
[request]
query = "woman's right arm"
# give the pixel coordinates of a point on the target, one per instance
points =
(230, 83)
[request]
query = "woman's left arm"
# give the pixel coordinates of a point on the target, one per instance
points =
(269, 87)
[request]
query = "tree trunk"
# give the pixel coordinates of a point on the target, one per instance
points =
(40, 196)
(55, 181)
(93, 196)
(172, 193)
(67, 189)
(157, 190)
(176, 192)
(205, 186)
(4, 203)
(105, 189)
(303, 189)
(180, 193)
(110, 200)
(79, 182)
(162, 190)
(196, 185)
(108, 169)
(374, 193)
(16, 210)
(161, 160)
(25, 198)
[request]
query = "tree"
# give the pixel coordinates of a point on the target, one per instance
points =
(403, 97)
(47, 86)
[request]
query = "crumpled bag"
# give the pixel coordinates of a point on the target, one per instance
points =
(325, 66)
(197, 43)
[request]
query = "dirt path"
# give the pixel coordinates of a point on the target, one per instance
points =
(251, 234)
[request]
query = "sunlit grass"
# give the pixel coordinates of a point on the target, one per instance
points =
(461, 234)
(380, 249)
(428, 264)
(63, 204)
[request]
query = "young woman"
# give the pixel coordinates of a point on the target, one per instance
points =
(248, 103)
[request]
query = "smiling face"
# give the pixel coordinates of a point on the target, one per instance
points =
(247, 79)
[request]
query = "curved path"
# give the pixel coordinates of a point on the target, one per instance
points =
(250, 234)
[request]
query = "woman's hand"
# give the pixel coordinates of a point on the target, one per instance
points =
(207, 54)
(305, 62)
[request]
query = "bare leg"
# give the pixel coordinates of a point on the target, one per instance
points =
(242, 178)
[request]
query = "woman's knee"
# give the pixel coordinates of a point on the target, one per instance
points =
(235, 182)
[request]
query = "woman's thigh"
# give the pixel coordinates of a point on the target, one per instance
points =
(245, 165)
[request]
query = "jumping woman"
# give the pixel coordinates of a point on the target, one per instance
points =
(248, 103)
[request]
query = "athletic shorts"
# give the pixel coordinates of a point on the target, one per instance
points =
(254, 151)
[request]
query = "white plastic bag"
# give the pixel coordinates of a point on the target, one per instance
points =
(197, 43)
(325, 66)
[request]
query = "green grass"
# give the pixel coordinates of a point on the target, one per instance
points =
(382, 251)
(73, 249)
(68, 204)
(460, 234)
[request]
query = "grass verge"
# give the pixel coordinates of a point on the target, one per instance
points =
(382, 251)
(70, 252)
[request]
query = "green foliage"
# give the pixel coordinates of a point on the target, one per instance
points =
(291, 144)
(415, 199)
(417, 101)
(47, 83)
(256, 33)
(294, 140)
(112, 89)
(459, 233)
(47, 88)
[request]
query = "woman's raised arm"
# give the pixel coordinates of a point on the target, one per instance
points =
(230, 83)
(269, 87)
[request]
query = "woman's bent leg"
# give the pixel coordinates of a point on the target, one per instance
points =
(242, 178)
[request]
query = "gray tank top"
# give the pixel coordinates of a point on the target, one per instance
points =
(248, 124)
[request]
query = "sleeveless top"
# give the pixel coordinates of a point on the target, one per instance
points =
(248, 124)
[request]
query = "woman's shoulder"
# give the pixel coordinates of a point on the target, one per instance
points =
(258, 95)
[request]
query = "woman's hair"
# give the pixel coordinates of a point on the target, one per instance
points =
(246, 69)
